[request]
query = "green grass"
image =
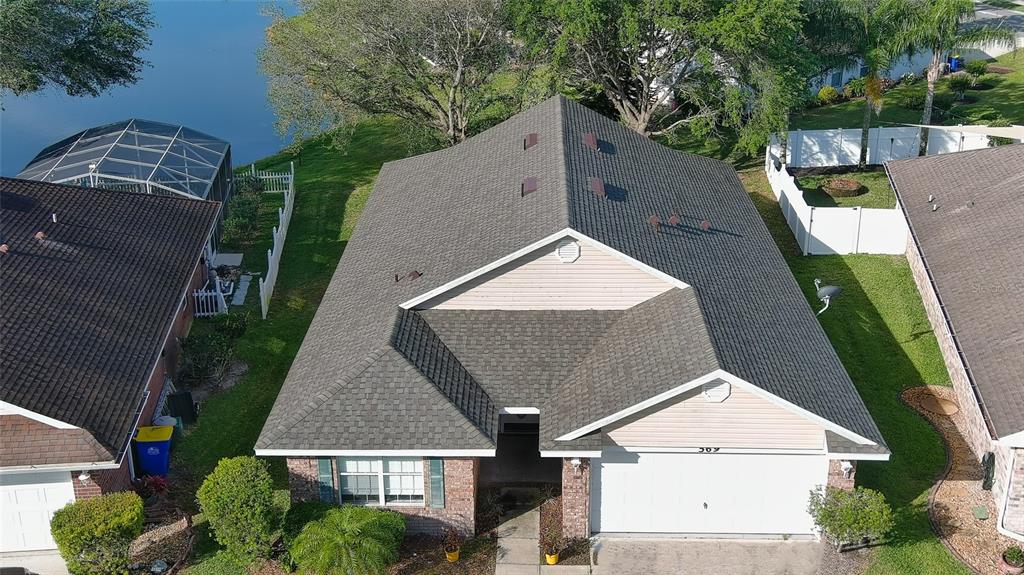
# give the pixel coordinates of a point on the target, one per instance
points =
(879, 328)
(879, 193)
(1004, 98)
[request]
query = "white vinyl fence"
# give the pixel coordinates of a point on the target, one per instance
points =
(286, 182)
(839, 147)
(210, 300)
(835, 230)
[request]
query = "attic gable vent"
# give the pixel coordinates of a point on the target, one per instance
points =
(568, 251)
(529, 186)
(716, 391)
(530, 140)
(597, 186)
(590, 139)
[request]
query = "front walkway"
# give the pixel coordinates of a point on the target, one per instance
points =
(706, 557)
(519, 549)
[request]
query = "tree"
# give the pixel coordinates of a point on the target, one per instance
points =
(433, 62)
(349, 539)
(666, 63)
(237, 500)
(94, 535)
(81, 46)
(850, 516)
(938, 29)
(873, 33)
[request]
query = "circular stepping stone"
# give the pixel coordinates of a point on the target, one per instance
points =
(938, 405)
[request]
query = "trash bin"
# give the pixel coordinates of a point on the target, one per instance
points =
(954, 63)
(153, 447)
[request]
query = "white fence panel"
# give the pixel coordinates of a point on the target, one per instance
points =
(882, 231)
(839, 147)
(833, 231)
(280, 231)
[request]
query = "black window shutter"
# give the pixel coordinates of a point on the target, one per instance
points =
(436, 468)
(325, 479)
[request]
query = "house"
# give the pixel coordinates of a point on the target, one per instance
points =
(96, 293)
(967, 224)
(563, 283)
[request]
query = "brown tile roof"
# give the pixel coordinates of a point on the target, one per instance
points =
(92, 280)
(24, 442)
(971, 237)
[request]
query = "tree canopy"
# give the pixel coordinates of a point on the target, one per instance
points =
(664, 63)
(434, 62)
(81, 46)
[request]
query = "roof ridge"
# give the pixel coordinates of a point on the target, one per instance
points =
(563, 160)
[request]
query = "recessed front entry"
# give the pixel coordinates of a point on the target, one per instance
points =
(704, 493)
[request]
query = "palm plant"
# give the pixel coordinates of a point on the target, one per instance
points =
(873, 33)
(937, 27)
(349, 540)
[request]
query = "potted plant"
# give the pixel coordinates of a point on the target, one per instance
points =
(451, 543)
(551, 544)
(1013, 560)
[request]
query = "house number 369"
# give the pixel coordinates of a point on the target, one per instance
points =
(708, 449)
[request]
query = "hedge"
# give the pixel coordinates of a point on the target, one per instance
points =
(94, 535)
(237, 501)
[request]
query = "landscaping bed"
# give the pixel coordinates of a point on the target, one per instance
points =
(574, 551)
(423, 555)
(875, 190)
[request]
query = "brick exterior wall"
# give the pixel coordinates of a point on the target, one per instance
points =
(459, 511)
(102, 481)
(836, 477)
(576, 499)
(976, 433)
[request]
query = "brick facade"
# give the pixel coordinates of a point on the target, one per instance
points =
(576, 499)
(459, 511)
(976, 433)
(837, 478)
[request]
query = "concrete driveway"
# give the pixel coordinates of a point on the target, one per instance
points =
(706, 557)
(36, 562)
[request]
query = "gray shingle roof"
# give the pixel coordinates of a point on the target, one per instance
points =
(84, 311)
(448, 213)
(973, 247)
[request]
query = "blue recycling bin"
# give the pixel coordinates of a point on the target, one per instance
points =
(153, 448)
(954, 63)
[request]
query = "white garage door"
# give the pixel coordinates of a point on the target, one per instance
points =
(690, 493)
(27, 502)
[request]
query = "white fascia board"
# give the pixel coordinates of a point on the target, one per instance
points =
(375, 452)
(1015, 440)
(11, 409)
(519, 411)
(567, 232)
(564, 454)
(722, 450)
(732, 379)
(69, 467)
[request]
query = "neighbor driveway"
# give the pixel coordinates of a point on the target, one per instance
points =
(38, 562)
(706, 557)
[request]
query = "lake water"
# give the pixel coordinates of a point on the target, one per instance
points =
(203, 74)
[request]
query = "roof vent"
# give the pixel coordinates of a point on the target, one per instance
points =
(40, 235)
(705, 225)
(530, 140)
(673, 220)
(716, 391)
(655, 222)
(4, 248)
(409, 276)
(597, 186)
(529, 186)
(568, 251)
(590, 139)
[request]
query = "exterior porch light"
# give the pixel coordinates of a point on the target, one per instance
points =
(846, 467)
(575, 462)
(83, 477)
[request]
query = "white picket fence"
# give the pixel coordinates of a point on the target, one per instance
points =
(824, 230)
(274, 182)
(839, 147)
(286, 181)
(210, 300)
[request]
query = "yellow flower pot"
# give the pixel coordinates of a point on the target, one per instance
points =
(452, 556)
(551, 559)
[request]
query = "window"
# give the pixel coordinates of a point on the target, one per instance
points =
(836, 81)
(380, 481)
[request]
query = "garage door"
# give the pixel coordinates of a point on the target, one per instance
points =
(690, 493)
(27, 502)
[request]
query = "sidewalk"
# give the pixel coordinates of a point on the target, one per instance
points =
(519, 549)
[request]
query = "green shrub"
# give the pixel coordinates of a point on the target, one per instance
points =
(976, 67)
(850, 516)
(221, 563)
(828, 95)
(233, 324)
(237, 499)
(246, 184)
(94, 535)
(1014, 556)
(959, 84)
(203, 355)
(999, 122)
(855, 88)
(349, 539)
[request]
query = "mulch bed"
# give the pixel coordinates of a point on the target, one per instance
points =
(834, 170)
(974, 542)
(576, 551)
(422, 555)
(167, 536)
(853, 562)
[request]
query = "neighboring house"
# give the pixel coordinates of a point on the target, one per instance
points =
(141, 156)
(671, 377)
(967, 223)
(95, 292)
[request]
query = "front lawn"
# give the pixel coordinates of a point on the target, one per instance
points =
(879, 328)
(1003, 96)
(879, 193)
